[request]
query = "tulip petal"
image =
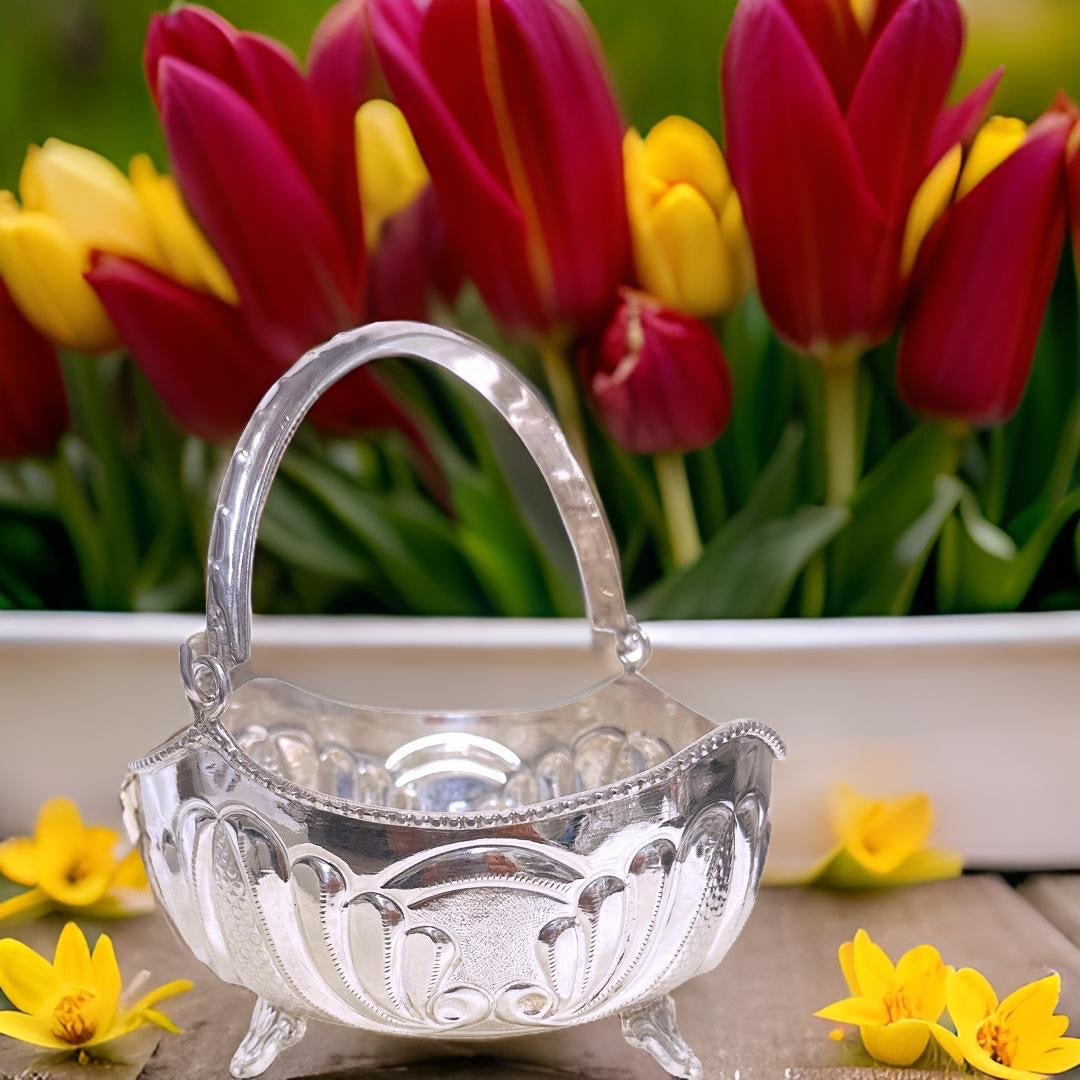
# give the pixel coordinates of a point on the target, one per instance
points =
(276, 239)
(814, 241)
(899, 96)
(482, 219)
(958, 123)
(561, 107)
(948, 1041)
(42, 267)
(33, 416)
(971, 337)
(1026, 1007)
(344, 73)
(27, 980)
(194, 349)
(1060, 1057)
(839, 44)
(846, 956)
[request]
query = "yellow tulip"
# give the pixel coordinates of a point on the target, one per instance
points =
(75, 202)
(895, 1006)
(186, 252)
(71, 867)
(73, 1003)
(389, 167)
(1019, 1038)
(691, 249)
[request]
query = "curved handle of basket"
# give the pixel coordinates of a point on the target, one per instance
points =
(254, 463)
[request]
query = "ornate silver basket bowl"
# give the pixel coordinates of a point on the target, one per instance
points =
(464, 875)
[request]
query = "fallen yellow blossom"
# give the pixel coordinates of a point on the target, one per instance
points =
(73, 867)
(74, 1003)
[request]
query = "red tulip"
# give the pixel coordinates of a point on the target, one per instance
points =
(196, 350)
(413, 262)
(33, 408)
(515, 118)
(659, 379)
(832, 129)
(971, 335)
(344, 73)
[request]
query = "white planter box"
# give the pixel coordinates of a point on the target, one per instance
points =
(983, 713)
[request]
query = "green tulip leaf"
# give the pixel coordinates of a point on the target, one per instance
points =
(986, 569)
(750, 567)
(897, 515)
(406, 538)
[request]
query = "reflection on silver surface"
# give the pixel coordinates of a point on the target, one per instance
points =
(462, 875)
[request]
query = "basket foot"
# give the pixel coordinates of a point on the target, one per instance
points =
(651, 1027)
(269, 1032)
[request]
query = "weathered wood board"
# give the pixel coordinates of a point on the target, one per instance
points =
(751, 1018)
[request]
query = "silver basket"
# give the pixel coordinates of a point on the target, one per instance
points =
(462, 875)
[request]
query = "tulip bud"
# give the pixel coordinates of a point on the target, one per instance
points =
(690, 245)
(390, 169)
(659, 379)
(33, 408)
(972, 331)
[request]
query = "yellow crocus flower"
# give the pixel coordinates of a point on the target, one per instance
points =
(879, 843)
(1019, 1038)
(69, 866)
(389, 167)
(691, 249)
(895, 1006)
(75, 202)
(74, 1003)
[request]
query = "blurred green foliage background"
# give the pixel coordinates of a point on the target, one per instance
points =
(73, 68)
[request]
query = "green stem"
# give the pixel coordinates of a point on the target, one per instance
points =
(678, 506)
(840, 372)
(564, 395)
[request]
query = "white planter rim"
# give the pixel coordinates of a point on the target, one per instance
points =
(782, 635)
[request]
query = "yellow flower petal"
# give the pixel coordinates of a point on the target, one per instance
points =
(42, 267)
(107, 982)
(969, 998)
(1032, 1004)
(18, 861)
(389, 166)
(160, 993)
(90, 198)
(873, 968)
(901, 1043)
(998, 139)
(58, 824)
(981, 1060)
(77, 878)
(187, 253)
(890, 832)
(682, 259)
(862, 1011)
(948, 1042)
(27, 980)
(72, 957)
(28, 905)
(922, 974)
(30, 1029)
(677, 150)
(1059, 1057)
(934, 195)
(162, 1021)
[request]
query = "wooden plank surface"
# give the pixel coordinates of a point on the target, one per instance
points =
(1057, 896)
(751, 1018)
